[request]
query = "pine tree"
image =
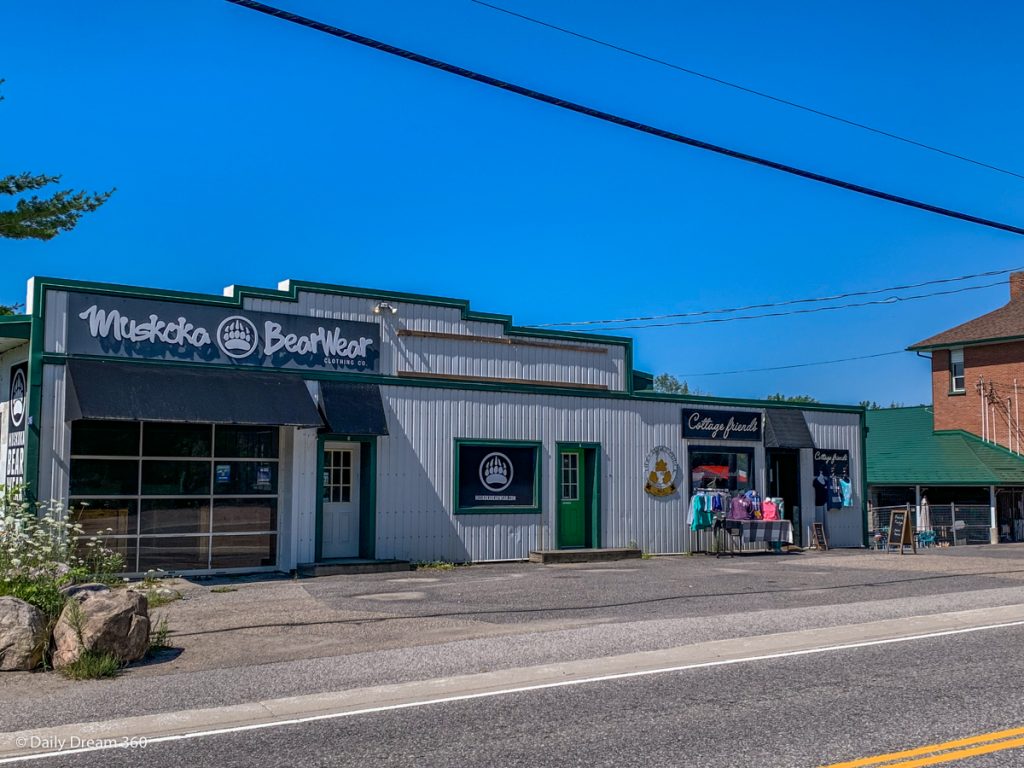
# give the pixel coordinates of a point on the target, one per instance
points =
(43, 218)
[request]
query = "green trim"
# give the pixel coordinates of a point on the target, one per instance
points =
(595, 507)
(666, 397)
(35, 392)
(15, 327)
(296, 286)
(367, 492)
(241, 292)
(458, 442)
(864, 476)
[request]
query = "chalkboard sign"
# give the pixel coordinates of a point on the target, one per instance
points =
(900, 533)
(818, 533)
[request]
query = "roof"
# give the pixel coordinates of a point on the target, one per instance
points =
(786, 429)
(1001, 324)
(904, 449)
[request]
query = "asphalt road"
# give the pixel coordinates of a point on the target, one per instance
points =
(800, 711)
(504, 616)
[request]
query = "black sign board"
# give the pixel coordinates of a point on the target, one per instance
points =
(496, 476)
(123, 327)
(17, 418)
(831, 463)
(708, 424)
(820, 540)
(900, 532)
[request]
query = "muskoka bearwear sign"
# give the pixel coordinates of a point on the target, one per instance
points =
(114, 326)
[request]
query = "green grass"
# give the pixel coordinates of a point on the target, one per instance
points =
(156, 600)
(92, 665)
(435, 565)
(646, 556)
(159, 632)
(221, 590)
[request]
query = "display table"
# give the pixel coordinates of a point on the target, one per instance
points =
(755, 531)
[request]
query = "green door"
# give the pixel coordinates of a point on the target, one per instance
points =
(572, 505)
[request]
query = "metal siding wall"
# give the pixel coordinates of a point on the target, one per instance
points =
(303, 499)
(415, 472)
(54, 437)
(454, 357)
(55, 322)
(842, 431)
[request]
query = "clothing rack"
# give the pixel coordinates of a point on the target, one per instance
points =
(715, 529)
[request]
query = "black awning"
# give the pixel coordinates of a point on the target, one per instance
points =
(353, 409)
(139, 392)
(786, 428)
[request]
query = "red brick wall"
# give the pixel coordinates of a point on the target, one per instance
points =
(999, 364)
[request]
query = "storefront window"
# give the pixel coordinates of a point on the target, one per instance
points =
(187, 440)
(728, 470)
(164, 491)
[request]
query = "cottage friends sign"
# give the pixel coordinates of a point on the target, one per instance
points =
(705, 424)
(164, 330)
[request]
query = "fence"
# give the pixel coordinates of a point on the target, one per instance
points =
(952, 524)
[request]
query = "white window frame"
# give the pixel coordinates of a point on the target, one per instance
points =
(957, 383)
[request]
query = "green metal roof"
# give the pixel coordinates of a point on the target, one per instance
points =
(904, 449)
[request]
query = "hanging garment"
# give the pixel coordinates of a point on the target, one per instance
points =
(820, 491)
(835, 497)
(716, 502)
(739, 508)
(696, 502)
(703, 516)
(846, 489)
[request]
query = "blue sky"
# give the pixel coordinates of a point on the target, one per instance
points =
(248, 150)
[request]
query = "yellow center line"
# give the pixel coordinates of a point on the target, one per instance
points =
(932, 748)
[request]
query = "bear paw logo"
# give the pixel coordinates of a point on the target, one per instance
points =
(237, 337)
(496, 472)
(18, 398)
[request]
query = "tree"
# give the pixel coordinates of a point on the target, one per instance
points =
(778, 397)
(9, 309)
(669, 384)
(43, 218)
(871, 405)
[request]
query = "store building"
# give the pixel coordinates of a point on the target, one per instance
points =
(265, 429)
(965, 449)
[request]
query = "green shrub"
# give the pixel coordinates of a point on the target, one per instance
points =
(42, 551)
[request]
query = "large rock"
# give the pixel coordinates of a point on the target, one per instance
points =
(22, 635)
(105, 622)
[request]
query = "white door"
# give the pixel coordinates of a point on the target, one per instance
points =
(341, 500)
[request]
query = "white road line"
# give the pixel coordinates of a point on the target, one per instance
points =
(520, 689)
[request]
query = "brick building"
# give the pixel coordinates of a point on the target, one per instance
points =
(964, 451)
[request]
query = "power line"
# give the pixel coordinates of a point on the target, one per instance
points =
(795, 365)
(618, 120)
(745, 89)
(785, 303)
(812, 310)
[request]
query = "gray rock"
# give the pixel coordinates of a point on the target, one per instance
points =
(22, 635)
(80, 591)
(105, 622)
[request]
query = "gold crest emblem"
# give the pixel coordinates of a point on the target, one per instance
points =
(662, 471)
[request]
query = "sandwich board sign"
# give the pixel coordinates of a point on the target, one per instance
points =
(900, 533)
